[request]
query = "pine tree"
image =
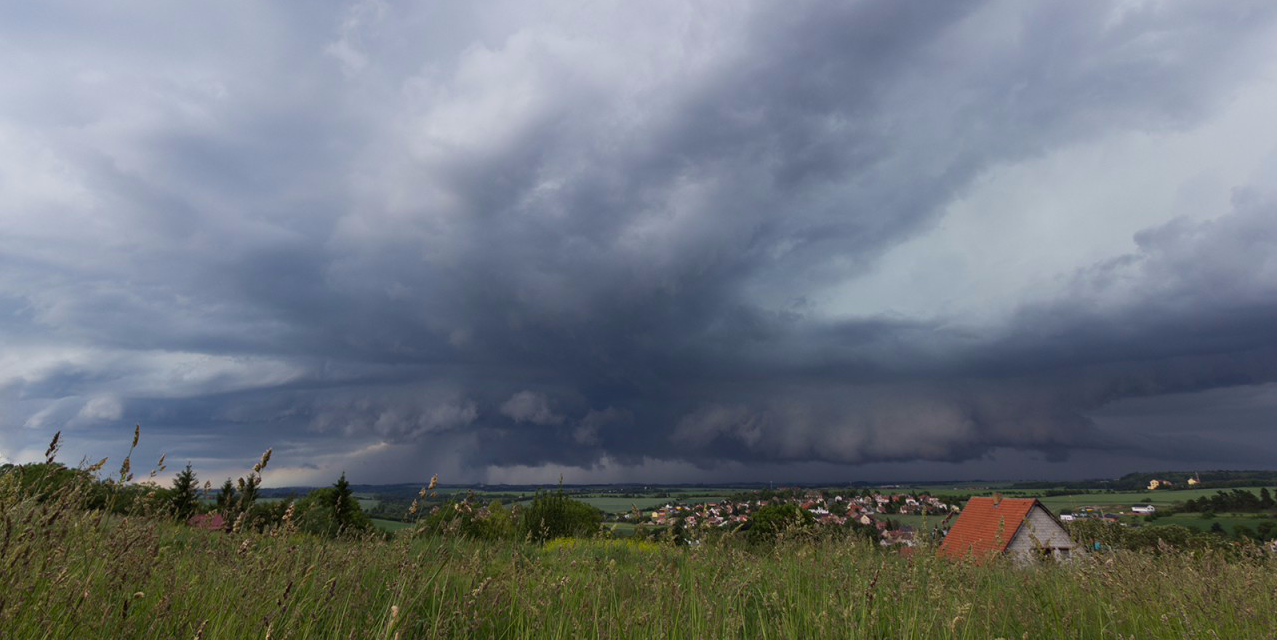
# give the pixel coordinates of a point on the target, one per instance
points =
(226, 498)
(247, 489)
(342, 500)
(1265, 499)
(183, 501)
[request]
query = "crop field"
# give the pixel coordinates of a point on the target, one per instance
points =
(1159, 499)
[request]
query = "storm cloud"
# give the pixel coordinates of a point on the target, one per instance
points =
(642, 241)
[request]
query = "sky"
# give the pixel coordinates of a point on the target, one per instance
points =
(687, 241)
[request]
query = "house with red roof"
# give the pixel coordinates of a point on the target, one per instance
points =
(210, 521)
(1019, 527)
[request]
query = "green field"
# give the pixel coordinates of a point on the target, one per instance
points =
(389, 525)
(611, 504)
(622, 505)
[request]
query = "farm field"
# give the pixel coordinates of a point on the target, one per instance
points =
(1159, 499)
(389, 525)
(620, 505)
(614, 504)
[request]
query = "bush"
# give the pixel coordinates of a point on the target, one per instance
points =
(773, 520)
(331, 511)
(462, 518)
(555, 515)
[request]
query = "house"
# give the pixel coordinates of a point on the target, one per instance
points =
(1143, 508)
(893, 537)
(1017, 527)
(1158, 482)
(210, 521)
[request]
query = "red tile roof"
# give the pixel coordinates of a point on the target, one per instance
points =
(985, 527)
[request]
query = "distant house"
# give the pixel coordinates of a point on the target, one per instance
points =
(898, 536)
(211, 521)
(1143, 508)
(1159, 483)
(1018, 527)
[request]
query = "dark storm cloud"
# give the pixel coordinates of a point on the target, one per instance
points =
(489, 238)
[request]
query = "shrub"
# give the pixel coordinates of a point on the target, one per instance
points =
(555, 515)
(773, 520)
(462, 518)
(331, 511)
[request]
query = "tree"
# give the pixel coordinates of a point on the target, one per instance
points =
(343, 499)
(246, 489)
(226, 498)
(183, 500)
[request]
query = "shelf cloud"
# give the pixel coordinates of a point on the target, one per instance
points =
(642, 241)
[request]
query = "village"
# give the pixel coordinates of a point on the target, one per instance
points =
(1020, 525)
(866, 508)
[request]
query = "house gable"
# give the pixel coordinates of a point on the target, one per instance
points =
(990, 526)
(985, 526)
(1041, 534)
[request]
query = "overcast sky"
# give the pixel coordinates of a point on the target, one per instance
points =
(641, 241)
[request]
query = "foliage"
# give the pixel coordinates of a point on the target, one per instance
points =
(41, 481)
(1237, 500)
(1153, 538)
(330, 512)
(183, 500)
(774, 520)
(226, 498)
(462, 518)
(555, 515)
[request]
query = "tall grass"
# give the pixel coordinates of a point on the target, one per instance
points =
(71, 573)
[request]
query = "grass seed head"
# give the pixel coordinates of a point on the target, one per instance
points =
(54, 445)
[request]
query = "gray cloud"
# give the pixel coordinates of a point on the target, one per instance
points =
(397, 238)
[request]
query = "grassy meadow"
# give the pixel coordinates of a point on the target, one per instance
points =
(86, 574)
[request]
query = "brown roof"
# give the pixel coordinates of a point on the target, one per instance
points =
(985, 527)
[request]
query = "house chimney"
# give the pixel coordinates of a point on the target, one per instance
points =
(997, 497)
